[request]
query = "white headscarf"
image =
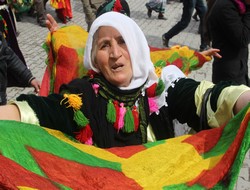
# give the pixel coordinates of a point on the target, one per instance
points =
(142, 66)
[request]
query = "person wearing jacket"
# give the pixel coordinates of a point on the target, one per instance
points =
(90, 8)
(228, 29)
(8, 28)
(11, 65)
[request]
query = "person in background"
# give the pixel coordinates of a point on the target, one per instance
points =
(63, 10)
(157, 6)
(89, 9)
(120, 6)
(188, 9)
(38, 9)
(11, 65)
(8, 28)
(94, 8)
(196, 16)
(8, 33)
(122, 95)
(228, 28)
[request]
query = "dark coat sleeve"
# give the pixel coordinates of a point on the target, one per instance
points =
(181, 102)
(54, 113)
(236, 27)
(15, 67)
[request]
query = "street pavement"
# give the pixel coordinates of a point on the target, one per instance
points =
(32, 36)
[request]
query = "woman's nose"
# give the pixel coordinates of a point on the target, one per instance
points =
(115, 51)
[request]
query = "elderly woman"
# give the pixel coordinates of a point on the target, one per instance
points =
(122, 101)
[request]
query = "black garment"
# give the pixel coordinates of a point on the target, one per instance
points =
(10, 34)
(229, 31)
(11, 65)
(3, 74)
(53, 113)
(94, 108)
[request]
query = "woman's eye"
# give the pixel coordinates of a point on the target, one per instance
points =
(121, 41)
(104, 45)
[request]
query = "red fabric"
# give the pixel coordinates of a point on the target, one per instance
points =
(75, 175)
(152, 49)
(151, 90)
(209, 137)
(201, 58)
(208, 177)
(66, 66)
(126, 152)
(45, 85)
(65, 13)
(178, 62)
(16, 175)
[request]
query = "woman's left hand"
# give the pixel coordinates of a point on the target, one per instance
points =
(212, 52)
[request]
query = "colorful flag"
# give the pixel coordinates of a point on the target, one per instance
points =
(33, 157)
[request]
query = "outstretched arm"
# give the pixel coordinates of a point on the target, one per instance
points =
(9, 112)
(241, 102)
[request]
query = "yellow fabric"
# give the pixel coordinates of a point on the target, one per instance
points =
(150, 134)
(174, 151)
(69, 35)
(27, 114)
(226, 101)
(26, 188)
(204, 85)
(189, 58)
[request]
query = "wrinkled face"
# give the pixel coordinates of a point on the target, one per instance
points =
(111, 56)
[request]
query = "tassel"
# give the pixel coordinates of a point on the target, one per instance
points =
(91, 73)
(136, 117)
(85, 135)
(111, 115)
(151, 90)
(117, 114)
(74, 101)
(160, 87)
(95, 87)
(80, 118)
(135, 113)
(129, 125)
(153, 107)
(122, 112)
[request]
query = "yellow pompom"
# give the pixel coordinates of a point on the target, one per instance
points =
(74, 101)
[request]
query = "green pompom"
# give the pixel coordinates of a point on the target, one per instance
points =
(129, 124)
(160, 87)
(80, 119)
(111, 112)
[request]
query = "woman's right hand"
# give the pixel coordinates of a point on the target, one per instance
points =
(52, 25)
